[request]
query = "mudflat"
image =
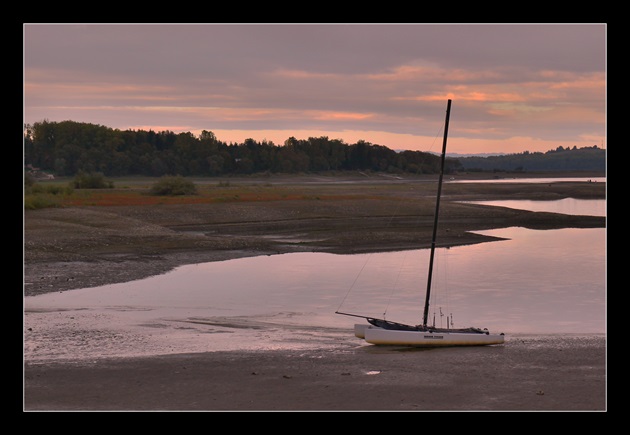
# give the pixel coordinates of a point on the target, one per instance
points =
(525, 374)
(86, 246)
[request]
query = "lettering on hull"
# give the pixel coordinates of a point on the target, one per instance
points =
(406, 338)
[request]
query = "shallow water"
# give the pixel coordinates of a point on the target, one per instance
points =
(534, 282)
(533, 180)
(570, 206)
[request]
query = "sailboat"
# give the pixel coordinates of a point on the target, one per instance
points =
(385, 332)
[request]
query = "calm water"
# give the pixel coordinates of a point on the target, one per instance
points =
(581, 207)
(533, 281)
(531, 180)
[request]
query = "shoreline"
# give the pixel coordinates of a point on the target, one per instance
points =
(83, 247)
(362, 378)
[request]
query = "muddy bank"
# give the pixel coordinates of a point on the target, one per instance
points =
(550, 373)
(79, 247)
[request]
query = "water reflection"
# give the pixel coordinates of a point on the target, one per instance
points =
(535, 281)
(532, 282)
(534, 180)
(571, 206)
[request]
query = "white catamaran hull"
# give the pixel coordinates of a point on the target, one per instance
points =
(359, 329)
(391, 337)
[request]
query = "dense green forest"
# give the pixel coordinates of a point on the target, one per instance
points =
(67, 148)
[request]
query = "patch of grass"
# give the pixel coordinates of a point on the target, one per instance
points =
(138, 192)
(39, 200)
(38, 195)
(92, 180)
(172, 186)
(51, 189)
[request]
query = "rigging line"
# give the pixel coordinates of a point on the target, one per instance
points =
(369, 256)
(445, 261)
(439, 296)
(391, 218)
(391, 293)
(395, 285)
(435, 140)
(355, 281)
(437, 137)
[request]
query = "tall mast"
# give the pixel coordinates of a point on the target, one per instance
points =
(437, 210)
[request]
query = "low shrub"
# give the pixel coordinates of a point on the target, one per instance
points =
(51, 189)
(37, 195)
(37, 201)
(169, 185)
(92, 180)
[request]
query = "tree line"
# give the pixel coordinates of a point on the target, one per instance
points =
(561, 159)
(67, 148)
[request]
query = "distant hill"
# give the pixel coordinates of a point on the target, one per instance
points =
(558, 160)
(459, 156)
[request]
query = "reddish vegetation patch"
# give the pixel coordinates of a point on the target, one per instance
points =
(136, 198)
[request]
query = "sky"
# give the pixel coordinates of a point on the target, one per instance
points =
(514, 87)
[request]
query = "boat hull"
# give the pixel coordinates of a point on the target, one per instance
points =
(390, 337)
(384, 332)
(359, 329)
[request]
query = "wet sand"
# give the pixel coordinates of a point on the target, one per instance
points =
(527, 373)
(85, 247)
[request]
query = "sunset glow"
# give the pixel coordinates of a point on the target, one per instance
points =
(514, 87)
